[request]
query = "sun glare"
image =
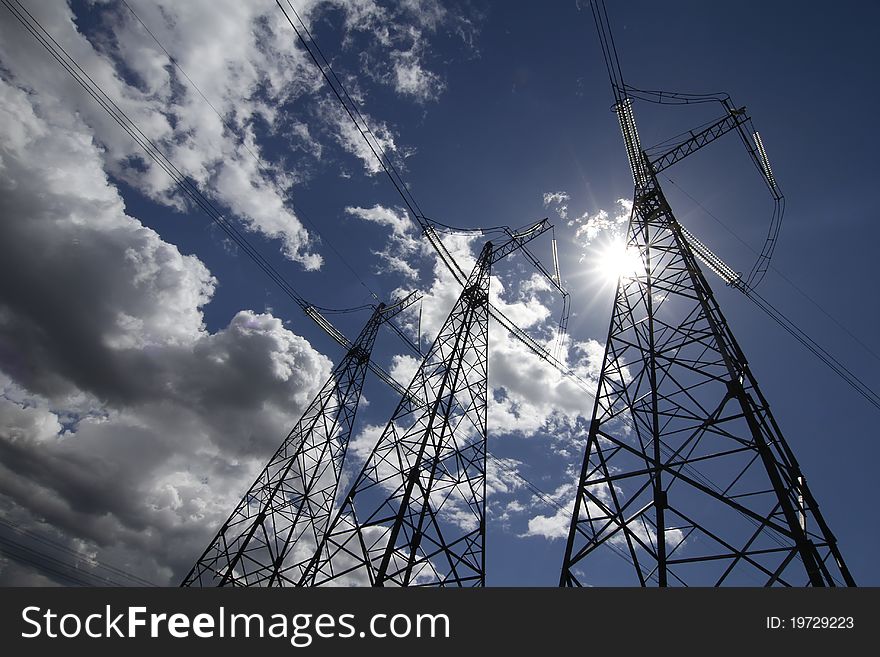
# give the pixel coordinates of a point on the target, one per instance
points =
(614, 259)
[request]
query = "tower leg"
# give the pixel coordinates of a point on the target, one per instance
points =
(277, 525)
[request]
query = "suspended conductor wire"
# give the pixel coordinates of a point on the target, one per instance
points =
(71, 566)
(387, 165)
(342, 311)
(609, 52)
(70, 65)
(816, 349)
(177, 65)
(260, 163)
(339, 255)
(351, 108)
(534, 487)
(96, 91)
(360, 124)
(732, 279)
(798, 289)
(674, 97)
(614, 57)
(35, 28)
(446, 228)
(63, 58)
(48, 565)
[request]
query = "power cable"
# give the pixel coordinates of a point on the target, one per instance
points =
(816, 349)
(776, 270)
(70, 65)
(747, 287)
(362, 126)
(798, 333)
(257, 159)
(430, 234)
(260, 163)
(351, 109)
(57, 567)
(76, 568)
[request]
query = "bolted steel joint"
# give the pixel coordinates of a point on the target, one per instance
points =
(475, 296)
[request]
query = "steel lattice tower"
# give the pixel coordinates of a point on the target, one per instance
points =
(278, 523)
(416, 515)
(685, 470)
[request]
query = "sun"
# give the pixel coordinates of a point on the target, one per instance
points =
(614, 259)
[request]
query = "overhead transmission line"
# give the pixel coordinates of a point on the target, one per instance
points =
(777, 271)
(430, 233)
(428, 226)
(483, 231)
(191, 190)
(59, 568)
(69, 64)
(621, 90)
(729, 276)
(73, 68)
(233, 131)
(624, 92)
(260, 163)
(71, 566)
(816, 349)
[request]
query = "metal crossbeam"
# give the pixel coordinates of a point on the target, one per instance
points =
(698, 140)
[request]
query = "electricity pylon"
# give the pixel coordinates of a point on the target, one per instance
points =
(278, 523)
(416, 515)
(685, 472)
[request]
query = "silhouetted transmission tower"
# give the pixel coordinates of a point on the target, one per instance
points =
(278, 523)
(685, 469)
(416, 514)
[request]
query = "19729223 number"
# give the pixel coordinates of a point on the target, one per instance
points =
(821, 622)
(810, 623)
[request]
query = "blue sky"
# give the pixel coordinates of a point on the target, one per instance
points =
(147, 375)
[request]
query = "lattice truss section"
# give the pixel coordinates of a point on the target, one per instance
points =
(415, 516)
(277, 525)
(686, 472)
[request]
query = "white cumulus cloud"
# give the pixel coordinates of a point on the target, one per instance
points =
(127, 429)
